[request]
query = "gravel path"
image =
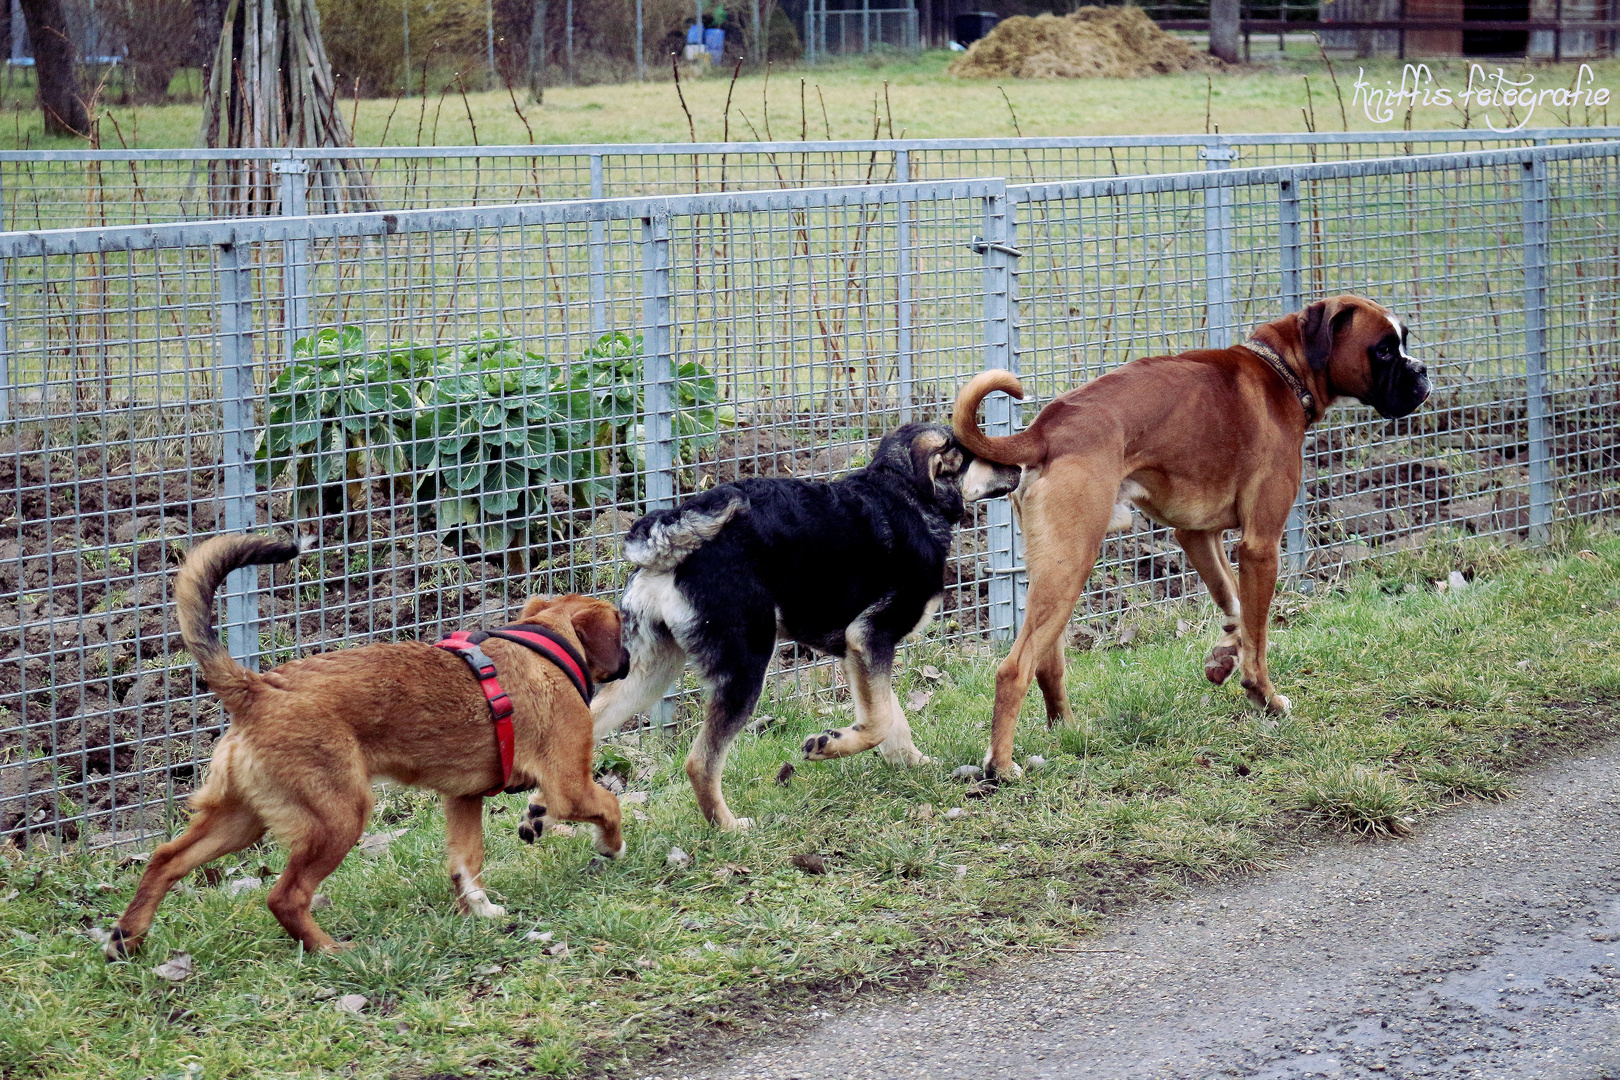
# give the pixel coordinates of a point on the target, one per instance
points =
(1483, 947)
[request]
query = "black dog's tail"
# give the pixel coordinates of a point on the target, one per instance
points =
(661, 540)
(194, 588)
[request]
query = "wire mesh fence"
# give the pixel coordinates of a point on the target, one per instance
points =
(45, 189)
(472, 405)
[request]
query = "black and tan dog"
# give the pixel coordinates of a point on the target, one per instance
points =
(307, 738)
(848, 568)
(1202, 442)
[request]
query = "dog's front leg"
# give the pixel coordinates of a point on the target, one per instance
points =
(464, 843)
(870, 675)
(533, 824)
(1257, 582)
(1206, 552)
(898, 749)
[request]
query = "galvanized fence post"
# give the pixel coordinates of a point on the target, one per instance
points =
(1290, 264)
(294, 251)
(1538, 403)
(5, 339)
(1219, 319)
(903, 359)
(658, 360)
(658, 389)
(234, 360)
(999, 246)
(598, 245)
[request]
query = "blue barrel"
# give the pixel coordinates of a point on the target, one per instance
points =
(715, 42)
(694, 34)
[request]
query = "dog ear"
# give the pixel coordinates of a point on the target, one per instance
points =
(948, 459)
(532, 607)
(1317, 325)
(597, 625)
(925, 450)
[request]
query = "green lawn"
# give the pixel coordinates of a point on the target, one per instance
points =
(1407, 698)
(922, 102)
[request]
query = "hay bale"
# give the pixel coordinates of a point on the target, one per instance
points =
(1091, 43)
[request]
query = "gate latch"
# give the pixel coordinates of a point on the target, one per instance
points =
(979, 245)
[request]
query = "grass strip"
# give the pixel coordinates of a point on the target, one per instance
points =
(1406, 698)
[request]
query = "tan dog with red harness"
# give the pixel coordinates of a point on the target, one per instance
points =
(307, 738)
(1201, 442)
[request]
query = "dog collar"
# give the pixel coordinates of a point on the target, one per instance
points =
(548, 643)
(1265, 352)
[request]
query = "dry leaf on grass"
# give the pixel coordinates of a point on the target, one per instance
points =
(176, 968)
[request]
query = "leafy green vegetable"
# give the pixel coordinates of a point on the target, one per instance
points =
(487, 433)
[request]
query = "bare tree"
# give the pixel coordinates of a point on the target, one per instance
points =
(160, 36)
(60, 100)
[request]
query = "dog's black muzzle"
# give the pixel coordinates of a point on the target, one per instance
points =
(1398, 388)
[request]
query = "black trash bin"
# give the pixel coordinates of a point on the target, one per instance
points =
(973, 25)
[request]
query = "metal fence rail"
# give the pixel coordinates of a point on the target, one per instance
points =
(46, 189)
(471, 405)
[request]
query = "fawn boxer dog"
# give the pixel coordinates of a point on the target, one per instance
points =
(1201, 442)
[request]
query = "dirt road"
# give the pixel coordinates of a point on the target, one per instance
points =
(1483, 947)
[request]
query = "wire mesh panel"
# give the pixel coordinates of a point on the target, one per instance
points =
(49, 189)
(1501, 264)
(467, 407)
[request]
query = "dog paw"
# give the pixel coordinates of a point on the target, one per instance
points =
(1279, 705)
(608, 852)
(906, 757)
(533, 826)
(739, 824)
(815, 747)
(1220, 663)
(997, 773)
(119, 946)
(481, 907)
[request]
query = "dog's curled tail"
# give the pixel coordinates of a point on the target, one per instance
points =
(661, 540)
(1025, 448)
(194, 588)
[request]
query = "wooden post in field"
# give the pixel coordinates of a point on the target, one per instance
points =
(1224, 29)
(537, 52)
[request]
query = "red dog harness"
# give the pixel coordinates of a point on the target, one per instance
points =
(548, 643)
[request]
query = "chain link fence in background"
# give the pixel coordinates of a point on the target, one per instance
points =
(59, 189)
(470, 405)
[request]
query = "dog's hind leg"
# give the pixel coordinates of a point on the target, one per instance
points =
(1049, 676)
(1065, 514)
(320, 833)
(222, 825)
(464, 848)
(656, 660)
(1206, 552)
(729, 705)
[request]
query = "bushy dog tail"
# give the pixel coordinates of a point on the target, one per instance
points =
(194, 588)
(664, 538)
(1025, 448)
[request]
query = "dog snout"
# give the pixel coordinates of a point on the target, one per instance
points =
(623, 669)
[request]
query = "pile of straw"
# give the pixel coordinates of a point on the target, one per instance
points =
(1091, 43)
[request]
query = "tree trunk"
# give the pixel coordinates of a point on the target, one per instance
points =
(1225, 31)
(59, 98)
